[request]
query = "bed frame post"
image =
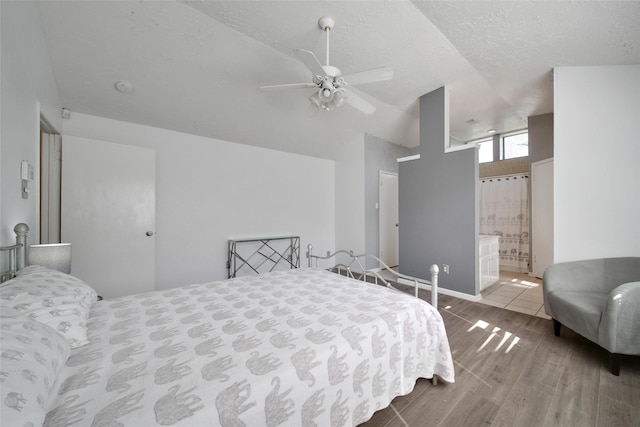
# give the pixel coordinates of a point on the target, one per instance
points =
(434, 300)
(434, 285)
(309, 252)
(21, 231)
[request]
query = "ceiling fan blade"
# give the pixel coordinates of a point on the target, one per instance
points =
(289, 86)
(369, 76)
(309, 59)
(359, 103)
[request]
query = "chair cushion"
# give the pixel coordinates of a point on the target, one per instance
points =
(580, 311)
(620, 323)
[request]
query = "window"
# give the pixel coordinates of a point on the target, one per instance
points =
(485, 152)
(512, 145)
(515, 145)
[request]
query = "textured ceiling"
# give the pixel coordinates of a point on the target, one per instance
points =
(196, 66)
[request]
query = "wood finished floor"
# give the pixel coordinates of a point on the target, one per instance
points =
(512, 371)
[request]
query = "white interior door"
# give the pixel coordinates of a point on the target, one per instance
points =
(108, 214)
(541, 215)
(388, 217)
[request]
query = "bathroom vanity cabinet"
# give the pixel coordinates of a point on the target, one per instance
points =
(489, 264)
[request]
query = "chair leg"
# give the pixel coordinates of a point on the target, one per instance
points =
(614, 363)
(556, 327)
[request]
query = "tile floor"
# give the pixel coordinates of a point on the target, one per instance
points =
(517, 292)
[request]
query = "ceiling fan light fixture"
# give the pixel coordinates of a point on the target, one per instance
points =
(327, 90)
(339, 97)
(315, 99)
(326, 94)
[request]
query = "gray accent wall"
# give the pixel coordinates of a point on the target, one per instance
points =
(438, 204)
(379, 155)
(540, 137)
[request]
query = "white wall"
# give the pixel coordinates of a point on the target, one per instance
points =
(28, 89)
(349, 190)
(596, 162)
(210, 190)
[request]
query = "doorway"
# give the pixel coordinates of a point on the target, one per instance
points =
(388, 218)
(50, 183)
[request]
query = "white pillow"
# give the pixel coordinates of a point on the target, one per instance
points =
(32, 356)
(53, 298)
(51, 275)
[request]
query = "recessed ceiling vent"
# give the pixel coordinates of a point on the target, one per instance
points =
(123, 86)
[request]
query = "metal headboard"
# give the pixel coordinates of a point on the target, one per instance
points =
(362, 273)
(17, 253)
(260, 255)
(55, 255)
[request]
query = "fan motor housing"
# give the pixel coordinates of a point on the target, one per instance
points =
(332, 71)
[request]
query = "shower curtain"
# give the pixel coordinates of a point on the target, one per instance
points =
(504, 211)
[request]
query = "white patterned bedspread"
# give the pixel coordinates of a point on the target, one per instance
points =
(300, 348)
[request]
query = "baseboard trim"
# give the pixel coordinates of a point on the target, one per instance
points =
(443, 291)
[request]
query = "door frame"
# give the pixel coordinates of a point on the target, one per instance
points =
(50, 182)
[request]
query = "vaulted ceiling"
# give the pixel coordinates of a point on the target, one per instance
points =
(195, 66)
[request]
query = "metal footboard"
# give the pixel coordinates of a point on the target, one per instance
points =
(354, 267)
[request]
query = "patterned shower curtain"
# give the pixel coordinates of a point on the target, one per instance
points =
(504, 211)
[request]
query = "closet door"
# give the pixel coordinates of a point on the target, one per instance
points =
(50, 161)
(541, 216)
(108, 214)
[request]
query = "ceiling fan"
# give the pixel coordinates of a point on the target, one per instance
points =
(330, 85)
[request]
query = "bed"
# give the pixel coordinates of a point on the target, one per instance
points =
(299, 347)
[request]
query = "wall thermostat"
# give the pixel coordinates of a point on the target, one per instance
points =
(26, 171)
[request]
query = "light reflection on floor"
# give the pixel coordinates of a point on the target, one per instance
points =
(517, 292)
(504, 336)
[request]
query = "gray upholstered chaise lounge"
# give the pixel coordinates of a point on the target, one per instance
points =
(600, 300)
